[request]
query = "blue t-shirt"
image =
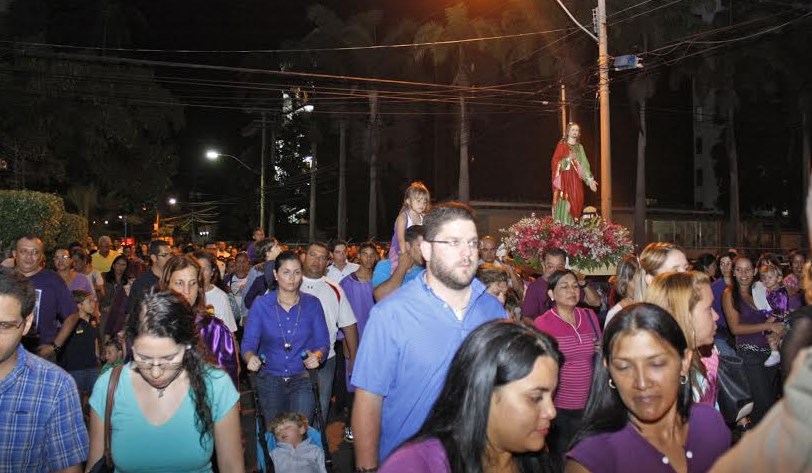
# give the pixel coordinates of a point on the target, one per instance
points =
(173, 446)
(383, 271)
(54, 304)
(406, 349)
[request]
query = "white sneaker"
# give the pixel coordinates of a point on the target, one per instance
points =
(774, 359)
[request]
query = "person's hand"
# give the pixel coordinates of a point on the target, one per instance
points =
(45, 351)
(273, 252)
(593, 185)
(312, 360)
(405, 260)
(7, 263)
(777, 328)
(598, 345)
(254, 363)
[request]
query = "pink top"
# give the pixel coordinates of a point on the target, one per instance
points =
(577, 343)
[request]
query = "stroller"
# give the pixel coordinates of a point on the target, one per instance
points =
(266, 440)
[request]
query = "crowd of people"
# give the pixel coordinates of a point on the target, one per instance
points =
(440, 353)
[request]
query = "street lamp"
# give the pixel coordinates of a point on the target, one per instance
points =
(172, 201)
(212, 155)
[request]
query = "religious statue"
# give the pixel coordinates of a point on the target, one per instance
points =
(570, 167)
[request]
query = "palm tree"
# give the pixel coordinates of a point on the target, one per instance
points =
(461, 59)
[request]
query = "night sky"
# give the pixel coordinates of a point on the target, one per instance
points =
(510, 146)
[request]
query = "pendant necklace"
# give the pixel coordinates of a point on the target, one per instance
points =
(287, 345)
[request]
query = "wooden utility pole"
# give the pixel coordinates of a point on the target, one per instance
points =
(603, 88)
(563, 110)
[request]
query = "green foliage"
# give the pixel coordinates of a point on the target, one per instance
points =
(74, 228)
(27, 212)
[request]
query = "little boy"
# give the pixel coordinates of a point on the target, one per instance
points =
(294, 453)
(113, 354)
(81, 353)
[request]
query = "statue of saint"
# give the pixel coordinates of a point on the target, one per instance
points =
(570, 167)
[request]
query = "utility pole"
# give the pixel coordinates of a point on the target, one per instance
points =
(262, 178)
(603, 79)
(563, 109)
(311, 234)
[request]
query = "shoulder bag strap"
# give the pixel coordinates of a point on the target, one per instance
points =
(591, 322)
(108, 412)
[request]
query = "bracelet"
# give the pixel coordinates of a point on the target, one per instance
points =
(57, 348)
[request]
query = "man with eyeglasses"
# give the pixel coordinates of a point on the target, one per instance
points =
(41, 424)
(412, 335)
(159, 254)
(55, 312)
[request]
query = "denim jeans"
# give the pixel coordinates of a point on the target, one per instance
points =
(278, 394)
(326, 374)
(85, 379)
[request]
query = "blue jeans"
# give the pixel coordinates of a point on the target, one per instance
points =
(720, 340)
(85, 379)
(326, 374)
(278, 394)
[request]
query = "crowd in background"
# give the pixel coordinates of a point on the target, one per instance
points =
(570, 372)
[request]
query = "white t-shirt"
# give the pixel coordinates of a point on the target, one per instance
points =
(336, 314)
(336, 275)
(218, 299)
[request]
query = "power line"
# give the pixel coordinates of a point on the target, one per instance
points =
(285, 51)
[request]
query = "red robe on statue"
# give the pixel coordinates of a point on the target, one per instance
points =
(568, 177)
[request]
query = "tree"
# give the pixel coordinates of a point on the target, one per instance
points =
(461, 59)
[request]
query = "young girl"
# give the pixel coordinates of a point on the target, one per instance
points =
(415, 204)
(113, 355)
(779, 305)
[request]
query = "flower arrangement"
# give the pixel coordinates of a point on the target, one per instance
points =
(591, 243)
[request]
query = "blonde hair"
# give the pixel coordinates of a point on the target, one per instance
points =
(298, 419)
(416, 189)
(768, 267)
(806, 280)
(679, 293)
(652, 260)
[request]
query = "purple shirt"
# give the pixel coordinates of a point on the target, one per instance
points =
(425, 456)
(54, 304)
(359, 295)
(718, 288)
(749, 315)
(708, 439)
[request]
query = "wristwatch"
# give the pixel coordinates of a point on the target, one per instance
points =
(57, 348)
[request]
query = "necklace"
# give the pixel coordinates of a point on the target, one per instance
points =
(287, 345)
(162, 390)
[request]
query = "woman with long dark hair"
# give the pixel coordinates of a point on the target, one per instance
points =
(495, 409)
(640, 415)
(172, 408)
(184, 275)
(113, 305)
(749, 326)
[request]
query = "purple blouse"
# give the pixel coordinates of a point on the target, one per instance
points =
(627, 451)
(749, 315)
(425, 456)
(219, 339)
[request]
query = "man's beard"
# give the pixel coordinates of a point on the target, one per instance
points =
(448, 277)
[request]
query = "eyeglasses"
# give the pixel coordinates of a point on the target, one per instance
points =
(62, 257)
(9, 327)
(455, 244)
(162, 367)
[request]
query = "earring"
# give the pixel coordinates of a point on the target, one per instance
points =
(683, 379)
(612, 384)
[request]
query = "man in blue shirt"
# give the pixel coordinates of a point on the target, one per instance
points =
(413, 334)
(41, 424)
(410, 263)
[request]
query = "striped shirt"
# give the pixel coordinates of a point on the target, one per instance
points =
(577, 343)
(41, 425)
